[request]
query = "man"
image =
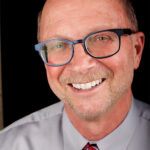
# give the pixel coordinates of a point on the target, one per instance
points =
(90, 49)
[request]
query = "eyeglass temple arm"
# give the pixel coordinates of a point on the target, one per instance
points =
(128, 31)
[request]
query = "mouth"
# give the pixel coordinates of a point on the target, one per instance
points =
(88, 85)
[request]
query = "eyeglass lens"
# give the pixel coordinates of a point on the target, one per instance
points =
(102, 44)
(56, 52)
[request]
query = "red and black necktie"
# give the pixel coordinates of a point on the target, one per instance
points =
(89, 146)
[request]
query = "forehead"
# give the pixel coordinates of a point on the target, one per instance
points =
(62, 15)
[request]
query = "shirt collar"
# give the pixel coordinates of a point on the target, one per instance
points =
(73, 140)
(121, 136)
(116, 140)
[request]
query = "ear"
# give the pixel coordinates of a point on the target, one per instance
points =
(138, 41)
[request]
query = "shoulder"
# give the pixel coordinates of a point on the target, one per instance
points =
(143, 109)
(33, 128)
(40, 115)
(143, 115)
(141, 136)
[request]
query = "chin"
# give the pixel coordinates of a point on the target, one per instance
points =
(90, 114)
(89, 110)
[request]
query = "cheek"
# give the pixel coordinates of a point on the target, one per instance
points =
(115, 63)
(122, 64)
(124, 59)
(53, 73)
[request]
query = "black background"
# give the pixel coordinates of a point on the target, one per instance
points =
(25, 87)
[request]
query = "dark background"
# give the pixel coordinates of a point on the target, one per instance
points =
(24, 83)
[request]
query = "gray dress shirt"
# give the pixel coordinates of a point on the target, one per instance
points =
(51, 129)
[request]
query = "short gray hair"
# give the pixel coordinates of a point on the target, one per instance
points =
(129, 9)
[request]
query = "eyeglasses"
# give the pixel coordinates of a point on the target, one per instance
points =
(100, 44)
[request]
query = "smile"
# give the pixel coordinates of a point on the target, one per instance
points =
(89, 85)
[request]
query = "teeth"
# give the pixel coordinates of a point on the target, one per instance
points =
(87, 85)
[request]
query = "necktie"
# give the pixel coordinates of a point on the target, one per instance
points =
(89, 146)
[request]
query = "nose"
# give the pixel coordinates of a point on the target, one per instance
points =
(81, 60)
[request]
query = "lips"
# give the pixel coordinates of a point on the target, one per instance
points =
(89, 85)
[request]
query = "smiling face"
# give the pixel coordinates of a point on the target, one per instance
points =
(89, 86)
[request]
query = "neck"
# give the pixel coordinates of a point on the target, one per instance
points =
(100, 127)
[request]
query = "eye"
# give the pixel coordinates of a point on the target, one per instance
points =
(59, 45)
(101, 38)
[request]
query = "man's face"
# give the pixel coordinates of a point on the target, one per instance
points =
(73, 20)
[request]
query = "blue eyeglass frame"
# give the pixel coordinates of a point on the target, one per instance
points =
(119, 33)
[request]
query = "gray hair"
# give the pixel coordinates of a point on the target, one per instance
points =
(127, 4)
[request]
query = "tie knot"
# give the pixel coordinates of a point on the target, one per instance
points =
(89, 146)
